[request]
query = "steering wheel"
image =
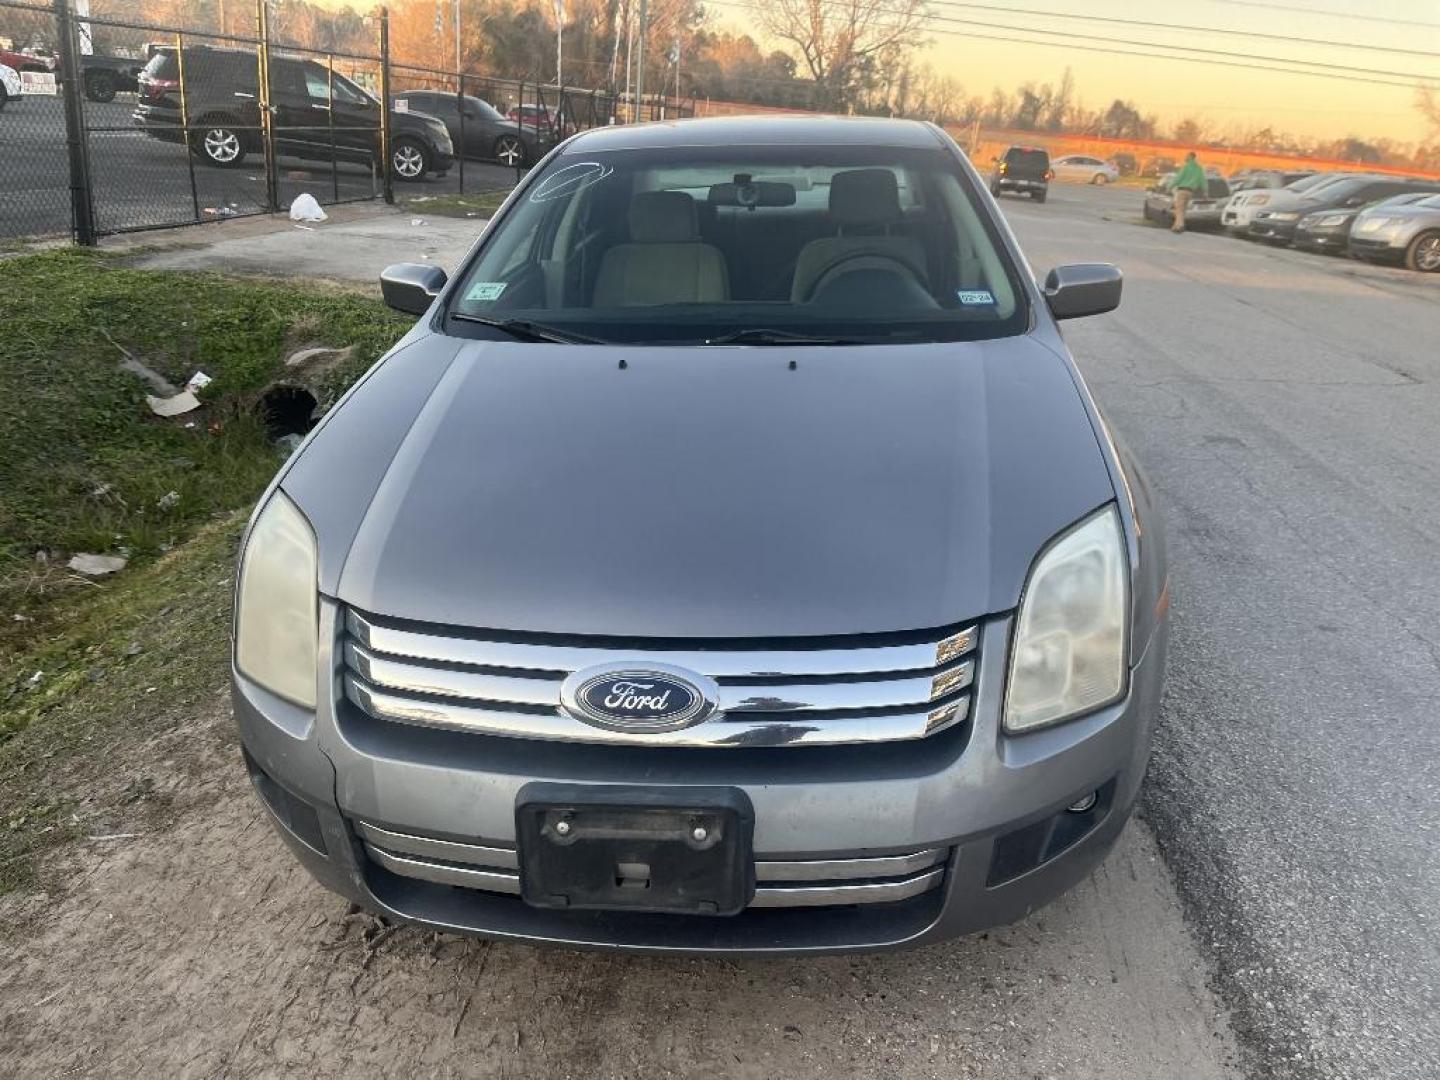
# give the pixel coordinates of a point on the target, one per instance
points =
(865, 260)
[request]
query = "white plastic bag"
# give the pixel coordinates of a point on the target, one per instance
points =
(305, 208)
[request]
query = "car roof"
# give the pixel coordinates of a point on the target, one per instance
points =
(759, 131)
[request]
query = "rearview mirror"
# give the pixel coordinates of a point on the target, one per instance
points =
(1083, 289)
(411, 287)
(752, 193)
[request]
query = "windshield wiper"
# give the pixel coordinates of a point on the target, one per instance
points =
(764, 336)
(530, 331)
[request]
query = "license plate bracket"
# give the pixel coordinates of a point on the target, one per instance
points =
(622, 847)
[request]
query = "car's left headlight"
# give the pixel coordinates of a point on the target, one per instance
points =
(1325, 221)
(1285, 215)
(1068, 653)
(276, 609)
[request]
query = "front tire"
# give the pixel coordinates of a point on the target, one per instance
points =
(510, 151)
(4, 97)
(100, 86)
(409, 159)
(1100, 179)
(1423, 254)
(1038, 196)
(219, 144)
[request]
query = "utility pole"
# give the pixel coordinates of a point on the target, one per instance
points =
(457, 38)
(640, 57)
(559, 42)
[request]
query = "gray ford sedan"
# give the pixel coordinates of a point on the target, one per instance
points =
(731, 559)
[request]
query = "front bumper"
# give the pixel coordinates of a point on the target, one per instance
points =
(994, 805)
(1377, 249)
(1331, 239)
(1272, 230)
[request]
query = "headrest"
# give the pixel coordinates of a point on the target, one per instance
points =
(864, 197)
(663, 217)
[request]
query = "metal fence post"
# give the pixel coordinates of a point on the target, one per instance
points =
(267, 125)
(388, 185)
(82, 207)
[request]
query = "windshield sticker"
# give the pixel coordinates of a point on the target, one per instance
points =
(971, 297)
(485, 290)
(570, 179)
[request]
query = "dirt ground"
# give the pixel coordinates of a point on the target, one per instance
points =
(201, 950)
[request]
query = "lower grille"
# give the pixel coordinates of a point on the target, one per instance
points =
(881, 688)
(780, 883)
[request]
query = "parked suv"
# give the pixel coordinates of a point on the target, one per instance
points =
(730, 559)
(478, 130)
(222, 98)
(1023, 169)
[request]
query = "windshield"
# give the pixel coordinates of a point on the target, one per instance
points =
(1309, 183)
(690, 244)
(485, 109)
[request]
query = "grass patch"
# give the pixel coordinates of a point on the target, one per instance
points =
(482, 204)
(85, 466)
(131, 663)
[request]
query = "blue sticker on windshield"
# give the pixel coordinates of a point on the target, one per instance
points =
(972, 297)
(485, 290)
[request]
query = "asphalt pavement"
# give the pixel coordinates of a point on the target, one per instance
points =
(1287, 407)
(140, 182)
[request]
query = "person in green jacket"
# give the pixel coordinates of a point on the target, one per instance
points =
(1189, 182)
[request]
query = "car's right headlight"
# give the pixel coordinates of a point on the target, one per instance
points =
(1068, 653)
(1259, 200)
(276, 609)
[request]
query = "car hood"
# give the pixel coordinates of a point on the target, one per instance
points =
(1405, 212)
(698, 492)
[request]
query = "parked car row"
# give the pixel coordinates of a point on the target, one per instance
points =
(1368, 216)
(102, 77)
(1375, 217)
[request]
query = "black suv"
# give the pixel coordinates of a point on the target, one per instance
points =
(1025, 169)
(316, 113)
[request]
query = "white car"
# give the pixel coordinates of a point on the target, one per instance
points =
(1082, 169)
(10, 86)
(1244, 205)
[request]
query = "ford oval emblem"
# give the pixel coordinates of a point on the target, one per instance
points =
(652, 699)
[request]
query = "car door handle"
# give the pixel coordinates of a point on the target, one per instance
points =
(317, 105)
(242, 94)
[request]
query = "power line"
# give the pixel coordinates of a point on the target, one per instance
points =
(1329, 13)
(1069, 45)
(1072, 35)
(1115, 20)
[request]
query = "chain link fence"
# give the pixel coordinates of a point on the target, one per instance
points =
(34, 173)
(170, 125)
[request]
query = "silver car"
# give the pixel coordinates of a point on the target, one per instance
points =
(1084, 169)
(1409, 235)
(731, 559)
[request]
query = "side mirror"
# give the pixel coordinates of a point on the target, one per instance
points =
(411, 287)
(1083, 289)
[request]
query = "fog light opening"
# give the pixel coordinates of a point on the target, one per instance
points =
(1085, 805)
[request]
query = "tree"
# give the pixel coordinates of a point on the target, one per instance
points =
(1189, 131)
(837, 39)
(1057, 109)
(1428, 102)
(1123, 121)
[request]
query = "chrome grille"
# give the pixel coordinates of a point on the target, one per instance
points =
(787, 883)
(791, 695)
